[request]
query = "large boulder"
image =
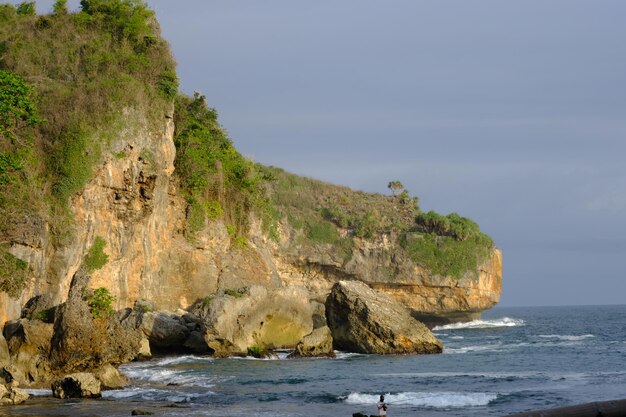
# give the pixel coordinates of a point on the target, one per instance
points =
(318, 343)
(111, 378)
(365, 321)
(165, 330)
(257, 318)
(78, 385)
(28, 343)
(11, 395)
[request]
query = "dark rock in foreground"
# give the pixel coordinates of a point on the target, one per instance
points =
(79, 385)
(364, 321)
(616, 408)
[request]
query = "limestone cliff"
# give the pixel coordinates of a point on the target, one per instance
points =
(133, 203)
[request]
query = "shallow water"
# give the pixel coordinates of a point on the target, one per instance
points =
(512, 360)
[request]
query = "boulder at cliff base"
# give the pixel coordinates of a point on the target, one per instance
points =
(364, 321)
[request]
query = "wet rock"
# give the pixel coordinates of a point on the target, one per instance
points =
(111, 378)
(318, 343)
(196, 343)
(11, 395)
(78, 385)
(138, 412)
(364, 321)
(144, 353)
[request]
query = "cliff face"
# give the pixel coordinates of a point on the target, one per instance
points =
(134, 204)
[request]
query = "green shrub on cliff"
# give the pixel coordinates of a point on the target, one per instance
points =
(13, 273)
(96, 258)
(100, 302)
(17, 109)
(447, 245)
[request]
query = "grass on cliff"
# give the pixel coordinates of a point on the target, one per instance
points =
(217, 180)
(76, 74)
(328, 214)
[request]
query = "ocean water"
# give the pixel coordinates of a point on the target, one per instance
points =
(512, 360)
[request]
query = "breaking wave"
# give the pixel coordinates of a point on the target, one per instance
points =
(568, 338)
(426, 399)
(482, 324)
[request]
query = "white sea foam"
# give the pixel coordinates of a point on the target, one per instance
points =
(177, 360)
(347, 355)
(569, 338)
(35, 392)
(493, 375)
(153, 394)
(164, 376)
(426, 399)
(482, 324)
(497, 347)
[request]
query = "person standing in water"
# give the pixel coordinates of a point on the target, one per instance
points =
(382, 406)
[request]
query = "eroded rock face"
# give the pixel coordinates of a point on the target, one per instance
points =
(365, 321)
(78, 385)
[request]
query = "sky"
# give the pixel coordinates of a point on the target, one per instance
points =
(512, 113)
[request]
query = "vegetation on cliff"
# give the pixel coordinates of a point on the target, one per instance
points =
(333, 215)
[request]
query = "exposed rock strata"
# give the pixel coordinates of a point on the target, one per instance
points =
(362, 320)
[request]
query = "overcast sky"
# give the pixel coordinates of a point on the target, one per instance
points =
(512, 113)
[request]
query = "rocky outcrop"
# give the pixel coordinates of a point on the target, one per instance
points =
(78, 385)
(174, 332)
(362, 320)
(82, 341)
(28, 343)
(318, 343)
(10, 394)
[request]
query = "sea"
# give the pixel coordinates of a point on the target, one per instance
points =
(511, 360)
